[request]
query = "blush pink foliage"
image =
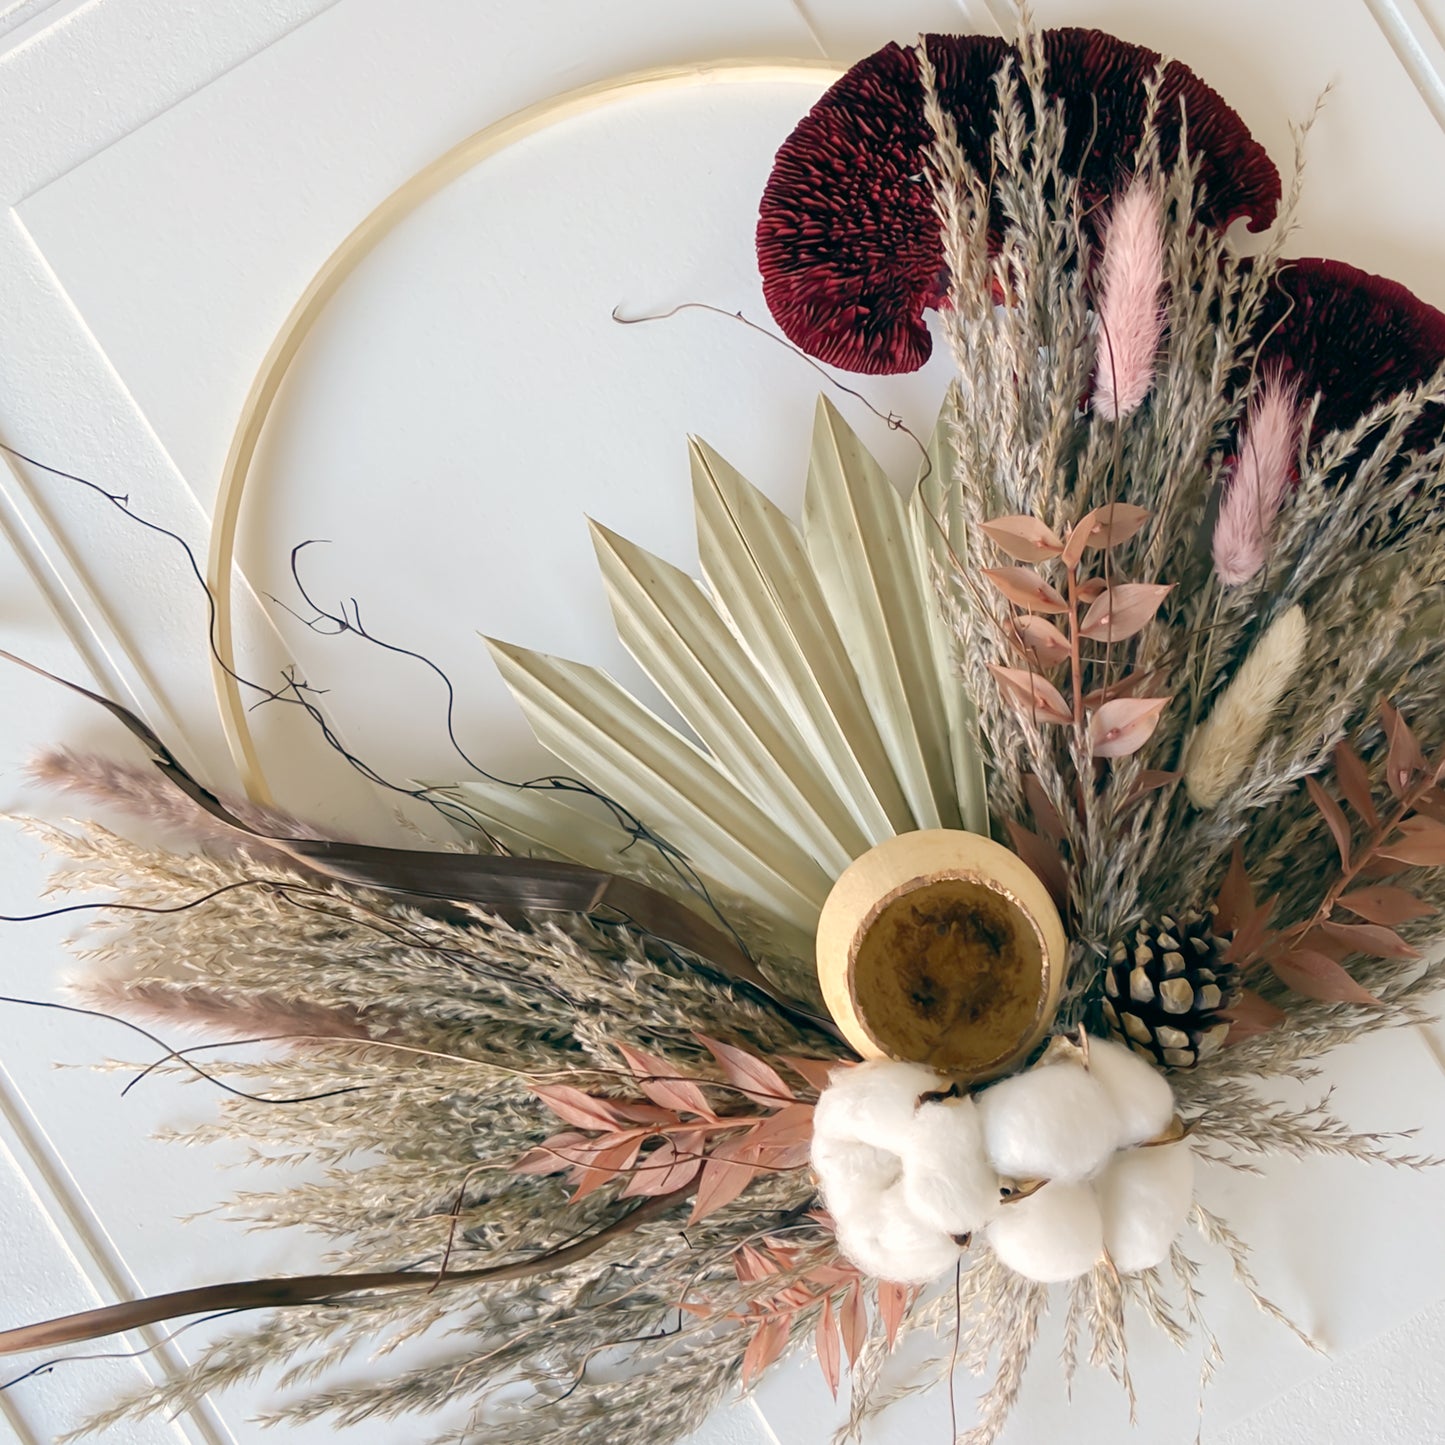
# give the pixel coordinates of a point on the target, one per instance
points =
(1261, 479)
(1131, 318)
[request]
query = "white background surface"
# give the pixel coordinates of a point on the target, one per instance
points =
(172, 176)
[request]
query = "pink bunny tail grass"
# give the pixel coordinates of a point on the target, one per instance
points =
(1261, 479)
(143, 794)
(1131, 319)
(219, 1014)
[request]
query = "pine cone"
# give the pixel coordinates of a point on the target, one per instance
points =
(1163, 995)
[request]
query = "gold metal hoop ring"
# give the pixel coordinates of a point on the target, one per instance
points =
(220, 569)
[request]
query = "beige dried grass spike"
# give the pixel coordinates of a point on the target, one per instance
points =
(1222, 750)
(814, 670)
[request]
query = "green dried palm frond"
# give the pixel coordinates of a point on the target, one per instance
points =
(815, 670)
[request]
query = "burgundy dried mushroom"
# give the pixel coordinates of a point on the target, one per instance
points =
(1354, 338)
(848, 243)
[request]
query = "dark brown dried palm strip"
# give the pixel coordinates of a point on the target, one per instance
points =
(257, 1294)
(494, 882)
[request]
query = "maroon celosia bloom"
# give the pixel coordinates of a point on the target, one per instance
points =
(848, 242)
(1354, 338)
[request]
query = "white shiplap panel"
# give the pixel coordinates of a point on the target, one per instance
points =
(21, 19)
(54, 1250)
(78, 74)
(1368, 199)
(154, 263)
(254, 180)
(851, 29)
(1414, 30)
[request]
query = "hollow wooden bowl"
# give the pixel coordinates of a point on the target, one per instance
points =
(941, 947)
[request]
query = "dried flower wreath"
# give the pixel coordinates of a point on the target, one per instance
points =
(1162, 611)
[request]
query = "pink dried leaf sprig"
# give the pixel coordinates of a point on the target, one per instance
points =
(1123, 725)
(806, 1280)
(1026, 539)
(1025, 588)
(1034, 696)
(1116, 722)
(1130, 316)
(1041, 643)
(1123, 610)
(1103, 529)
(678, 1137)
(1261, 479)
(1376, 840)
(723, 1152)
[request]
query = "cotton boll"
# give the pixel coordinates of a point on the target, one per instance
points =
(947, 1180)
(1140, 1094)
(853, 1176)
(890, 1242)
(1052, 1236)
(1145, 1196)
(1054, 1122)
(873, 1103)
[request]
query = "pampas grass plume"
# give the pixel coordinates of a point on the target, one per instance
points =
(1223, 748)
(1261, 478)
(219, 1014)
(143, 794)
(1131, 320)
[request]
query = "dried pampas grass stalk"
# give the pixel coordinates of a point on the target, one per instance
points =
(142, 794)
(218, 1012)
(1222, 750)
(1218, 1233)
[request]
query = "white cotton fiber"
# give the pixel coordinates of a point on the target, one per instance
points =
(873, 1103)
(890, 1242)
(852, 1176)
(1052, 1236)
(1144, 1196)
(947, 1180)
(861, 1122)
(1054, 1122)
(1140, 1094)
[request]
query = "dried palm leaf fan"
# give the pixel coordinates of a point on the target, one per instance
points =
(1141, 638)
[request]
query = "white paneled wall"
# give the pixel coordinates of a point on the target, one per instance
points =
(173, 174)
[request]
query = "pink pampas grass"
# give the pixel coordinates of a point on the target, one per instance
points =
(1261, 478)
(1131, 320)
(144, 794)
(219, 1013)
